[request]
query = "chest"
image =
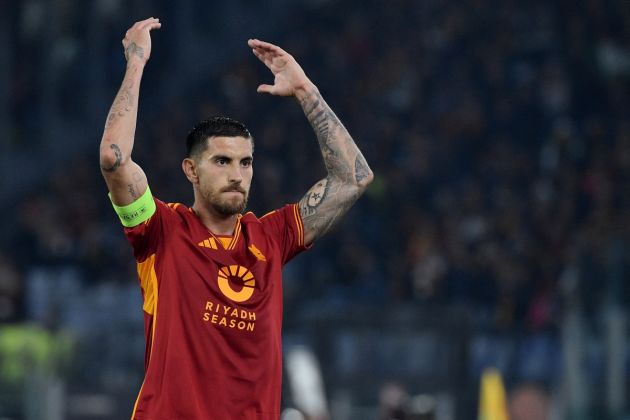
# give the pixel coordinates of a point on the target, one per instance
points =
(241, 279)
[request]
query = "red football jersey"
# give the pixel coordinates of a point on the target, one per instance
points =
(213, 314)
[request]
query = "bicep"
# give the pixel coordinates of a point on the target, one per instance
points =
(126, 183)
(324, 204)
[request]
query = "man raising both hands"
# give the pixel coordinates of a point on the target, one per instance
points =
(211, 276)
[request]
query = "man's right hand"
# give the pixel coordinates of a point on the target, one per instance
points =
(137, 41)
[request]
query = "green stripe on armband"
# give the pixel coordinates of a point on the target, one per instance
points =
(137, 212)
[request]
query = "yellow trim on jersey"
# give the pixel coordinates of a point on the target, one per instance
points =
(268, 214)
(299, 224)
(225, 241)
(137, 212)
(237, 231)
(148, 282)
(135, 406)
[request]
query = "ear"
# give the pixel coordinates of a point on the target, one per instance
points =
(189, 167)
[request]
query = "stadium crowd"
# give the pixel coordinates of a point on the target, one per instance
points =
(499, 134)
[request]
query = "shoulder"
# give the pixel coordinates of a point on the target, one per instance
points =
(171, 211)
(250, 217)
(281, 219)
(282, 214)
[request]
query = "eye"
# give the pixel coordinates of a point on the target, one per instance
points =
(222, 161)
(246, 163)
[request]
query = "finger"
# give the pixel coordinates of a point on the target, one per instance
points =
(264, 58)
(265, 89)
(141, 23)
(149, 23)
(137, 24)
(154, 25)
(261, 56)
(257, 43)
(265, 51)
(261, 44)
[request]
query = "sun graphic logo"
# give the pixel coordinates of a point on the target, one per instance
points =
(239, 275)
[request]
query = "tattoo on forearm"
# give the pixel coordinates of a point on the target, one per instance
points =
(118, 155)
(328, 200)
(332, 137)
(124, 103)
(133, 49)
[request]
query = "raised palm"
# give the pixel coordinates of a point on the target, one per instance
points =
(137, 41)
(288, 75)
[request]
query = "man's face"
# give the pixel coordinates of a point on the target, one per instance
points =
(225, 174)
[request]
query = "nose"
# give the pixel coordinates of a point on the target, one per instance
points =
(235, 176)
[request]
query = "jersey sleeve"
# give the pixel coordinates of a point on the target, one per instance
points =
(145, 223)
(286, 227)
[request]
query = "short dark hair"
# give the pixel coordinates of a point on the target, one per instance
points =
(196, 142)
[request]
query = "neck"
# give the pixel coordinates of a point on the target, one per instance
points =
(217, 223)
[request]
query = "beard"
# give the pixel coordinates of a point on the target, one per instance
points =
(227, 206)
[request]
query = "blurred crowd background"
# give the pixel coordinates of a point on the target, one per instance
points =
(496, 233)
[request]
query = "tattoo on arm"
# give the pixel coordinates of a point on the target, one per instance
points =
(124, 103)
(134, 188)
(328, 200)
(118, 155)
(325, 203)
(132, 191)
(314, 198)
(331, 134)
(133, 49)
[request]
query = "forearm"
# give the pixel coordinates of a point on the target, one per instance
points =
(120, 127)
(348, 172)
(342, 157)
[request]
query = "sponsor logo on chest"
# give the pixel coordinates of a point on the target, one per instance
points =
(236, 283)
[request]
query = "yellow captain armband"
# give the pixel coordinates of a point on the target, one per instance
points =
(137, 212)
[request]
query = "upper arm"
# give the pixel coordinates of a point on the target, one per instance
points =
(324, 204)
(126, 182)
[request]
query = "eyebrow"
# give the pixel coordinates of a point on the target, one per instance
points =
(214, 157)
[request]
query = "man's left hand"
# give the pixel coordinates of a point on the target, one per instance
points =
(290, 79)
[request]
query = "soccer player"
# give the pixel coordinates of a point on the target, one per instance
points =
(211, 276)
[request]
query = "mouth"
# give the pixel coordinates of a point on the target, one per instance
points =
(234, 190)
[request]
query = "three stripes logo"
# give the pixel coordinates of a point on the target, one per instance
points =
(239, 275)
(208, 243)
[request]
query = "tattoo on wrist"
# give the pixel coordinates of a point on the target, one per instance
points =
(118, 155)
(135, 50)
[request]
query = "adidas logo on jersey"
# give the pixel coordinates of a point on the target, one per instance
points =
(208, 243)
